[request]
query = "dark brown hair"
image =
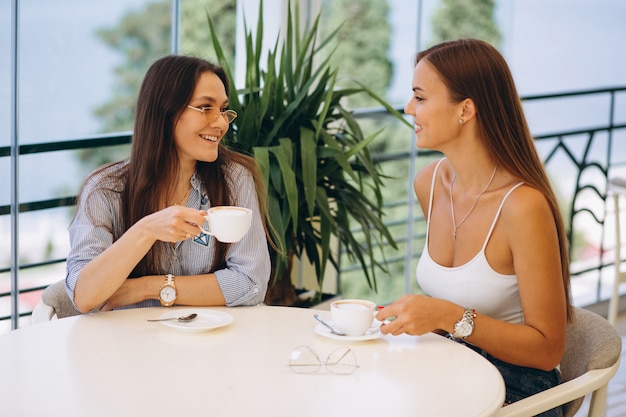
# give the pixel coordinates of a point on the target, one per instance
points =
(474, 69)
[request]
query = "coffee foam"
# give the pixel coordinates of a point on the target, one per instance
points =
(229, 211)
(352, 306)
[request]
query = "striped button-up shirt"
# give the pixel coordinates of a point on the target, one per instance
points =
(97, 225)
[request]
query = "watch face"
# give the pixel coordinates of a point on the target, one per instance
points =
(465, 329)
(168, 294)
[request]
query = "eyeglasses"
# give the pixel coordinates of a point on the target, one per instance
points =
(304, 360)
(211, 114)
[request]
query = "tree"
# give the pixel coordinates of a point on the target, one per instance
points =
(195, 39)
(142, 37)
(455, 19)
(362, 44)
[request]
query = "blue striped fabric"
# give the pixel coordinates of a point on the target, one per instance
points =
(244, 280)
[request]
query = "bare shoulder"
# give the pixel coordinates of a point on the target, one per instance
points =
(526, 208)
(525, 200)
(423, 181)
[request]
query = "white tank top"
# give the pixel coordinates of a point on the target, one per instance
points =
(475, 284)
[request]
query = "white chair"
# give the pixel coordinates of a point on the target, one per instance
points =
(42, 313)
(592, 357)
(618, 187)
(55, 303)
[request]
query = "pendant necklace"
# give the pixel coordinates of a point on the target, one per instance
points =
(455, 225)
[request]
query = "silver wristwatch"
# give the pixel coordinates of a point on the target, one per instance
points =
(464, 327)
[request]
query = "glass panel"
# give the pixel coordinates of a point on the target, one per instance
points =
(195, 36)
(80, 64)
(68, 64)
(375, 42)
(5, 80)
(560, 58)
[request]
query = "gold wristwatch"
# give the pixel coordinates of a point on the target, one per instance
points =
(168, 292)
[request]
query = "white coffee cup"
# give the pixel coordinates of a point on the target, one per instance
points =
(228, 223)
(352, 317)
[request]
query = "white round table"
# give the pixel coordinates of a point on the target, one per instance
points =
(117, 364)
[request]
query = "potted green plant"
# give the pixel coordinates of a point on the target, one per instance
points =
(319, 172)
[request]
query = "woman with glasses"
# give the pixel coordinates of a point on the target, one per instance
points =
(494, 268)
(136, 238)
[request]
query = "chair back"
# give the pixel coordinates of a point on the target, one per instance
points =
(592, 343)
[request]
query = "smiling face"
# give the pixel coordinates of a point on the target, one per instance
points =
(196, 138)
(435, 116)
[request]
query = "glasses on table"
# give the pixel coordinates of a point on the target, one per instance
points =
(211, 114)
(304, 360)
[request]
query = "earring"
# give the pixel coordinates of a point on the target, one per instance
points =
(460, 121)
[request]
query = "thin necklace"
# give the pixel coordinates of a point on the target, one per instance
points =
(184, 198)
(455, 225)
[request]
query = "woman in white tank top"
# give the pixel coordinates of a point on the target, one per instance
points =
(495, 267)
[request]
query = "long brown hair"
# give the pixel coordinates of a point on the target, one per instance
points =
(165, 92)
(474, 69)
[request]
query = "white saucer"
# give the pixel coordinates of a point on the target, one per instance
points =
(206, 320)
(373, 333)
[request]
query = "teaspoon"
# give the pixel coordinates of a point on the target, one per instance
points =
(188, 317)
(333, 331)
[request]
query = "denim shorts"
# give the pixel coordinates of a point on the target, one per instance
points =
(521, 382)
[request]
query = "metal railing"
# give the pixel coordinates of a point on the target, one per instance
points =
(588, 149)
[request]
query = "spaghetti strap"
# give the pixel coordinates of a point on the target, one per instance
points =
(430, 198)
(495, 219)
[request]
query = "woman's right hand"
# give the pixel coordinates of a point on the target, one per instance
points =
(417, 314)
(173, 223)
